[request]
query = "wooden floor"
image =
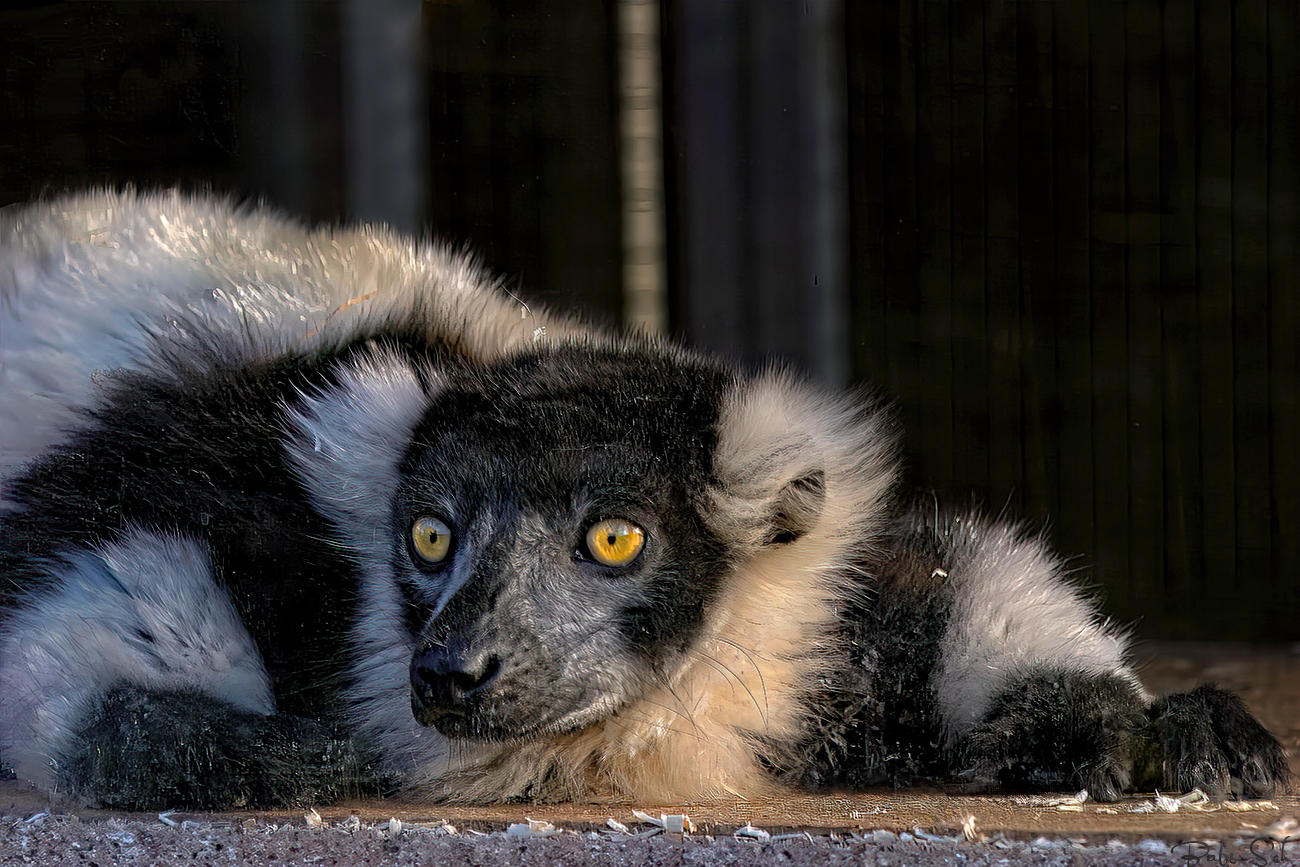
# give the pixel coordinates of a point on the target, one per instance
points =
(1267, 677)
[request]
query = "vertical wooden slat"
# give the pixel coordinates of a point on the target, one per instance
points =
(1214, 277)
(1107, 253)
(639, 31)
(383, 99)
(1282, 589)
(1180, 311)
(516, 115)
(970, 313)
(1004, 347)
(1145, 431)
(934, 435)
(711, 194)
(900, 251)
(1252, 469)
(772, 101)
(1073, 522)
(1037, 260)
(866, 37)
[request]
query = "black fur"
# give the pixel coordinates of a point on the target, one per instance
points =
(529, 412)
(145, 748)
(879, 723)
(201, 456)
(1207, 739)
(1056, 730)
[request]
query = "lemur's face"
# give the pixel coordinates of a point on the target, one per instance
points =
(551, 549)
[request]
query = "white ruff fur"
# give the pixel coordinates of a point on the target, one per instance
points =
(349, 439)
(348, 444)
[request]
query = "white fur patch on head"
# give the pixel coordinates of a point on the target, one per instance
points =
(144, 610)
(1013, 612)
(776, 432)
(346, 442)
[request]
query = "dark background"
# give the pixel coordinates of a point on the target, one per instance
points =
(1062, 235)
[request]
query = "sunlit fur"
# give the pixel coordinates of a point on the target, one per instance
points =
(96, 282)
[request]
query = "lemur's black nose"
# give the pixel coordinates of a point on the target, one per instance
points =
(444, 678)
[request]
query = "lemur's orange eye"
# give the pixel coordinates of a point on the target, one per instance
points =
(615, 542)
(430, 539)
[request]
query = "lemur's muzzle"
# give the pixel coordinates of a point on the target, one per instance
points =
(444, 682)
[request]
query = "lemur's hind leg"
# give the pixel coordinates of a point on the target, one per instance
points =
(1057, 731)
(1035, 691)
(1032, 686)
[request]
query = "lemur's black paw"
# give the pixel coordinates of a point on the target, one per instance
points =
(1208, 740)
(1055, 732)
(142, 749)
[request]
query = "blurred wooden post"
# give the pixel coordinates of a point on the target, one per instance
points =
(384, 112)
(760, 186)
(641, 128)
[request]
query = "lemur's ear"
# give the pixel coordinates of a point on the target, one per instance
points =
(347, 439)
(793, 459)
(798, 506)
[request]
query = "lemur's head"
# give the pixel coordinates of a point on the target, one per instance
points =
(562, 524)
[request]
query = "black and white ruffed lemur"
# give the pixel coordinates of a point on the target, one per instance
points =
(288, 511)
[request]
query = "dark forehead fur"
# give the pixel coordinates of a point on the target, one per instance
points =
(660, 408)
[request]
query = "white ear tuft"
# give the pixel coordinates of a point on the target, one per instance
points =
(347, 440)
(792, 458)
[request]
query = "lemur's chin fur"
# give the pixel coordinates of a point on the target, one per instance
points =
(295, 513)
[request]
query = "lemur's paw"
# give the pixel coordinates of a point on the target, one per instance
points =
(144, 749)
(1055, 732)
(1208, 740)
